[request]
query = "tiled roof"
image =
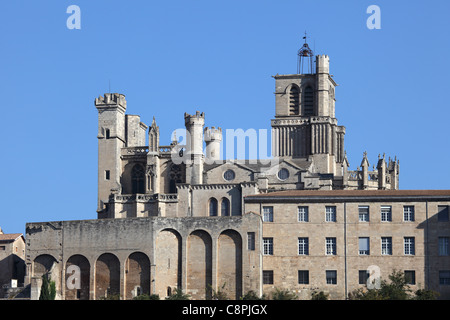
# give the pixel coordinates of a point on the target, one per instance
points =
(346, 194)
(9, 236)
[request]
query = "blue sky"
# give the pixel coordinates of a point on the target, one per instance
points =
(171, 57)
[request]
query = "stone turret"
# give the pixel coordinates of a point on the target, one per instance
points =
(111, 139)
(213, 139)
(194, 147)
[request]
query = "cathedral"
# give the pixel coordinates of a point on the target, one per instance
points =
(179, 217)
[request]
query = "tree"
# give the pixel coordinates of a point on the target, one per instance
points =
(220, 294)
(147, 297)
(48, 289)
(178, 295)
(251, 295)
(283, 294)
(396, 289)
(319, 295)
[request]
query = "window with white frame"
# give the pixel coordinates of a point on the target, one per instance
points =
(386, 213)
(386, 245)
(268, 246)
(409, 245)
(303, 214)
(303, 246)
(330, 246)
(443, 246)
(268, 214)
(330, 214)
(408, 213)
(331, 276)
(364, 246)
(363, 213)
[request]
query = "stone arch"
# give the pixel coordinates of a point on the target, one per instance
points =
(77, 278)
(137, 275)
(168, 261)
(107, 276)
(43, 264)
(199, 265)
(213, 207)
(229, 267)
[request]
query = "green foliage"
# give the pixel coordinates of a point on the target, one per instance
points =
(319, 295)
(220, 294)
(147, 297)
(111, 297)
(48, 289)
(396, 289)
(251, 295)
(178, 295)
(283, 294)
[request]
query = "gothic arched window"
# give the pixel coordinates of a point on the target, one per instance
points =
(308, 101)
(213, 207)
(225, 207)
(137, 179)
(294, 101)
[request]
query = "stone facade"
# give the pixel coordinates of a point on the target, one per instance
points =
(177, 216)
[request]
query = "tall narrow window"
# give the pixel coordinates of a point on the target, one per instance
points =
(408, 213)
(268, 214)
(409, 245)
(444, 246)
(137, 179)
(364, 246)
(308, 101)
(213, 207)
(303, 214)
(268, 246)
(107, 174)
(386, 246)
(303, 246)
(225, 207)
(251, 240)
(330, 246)
(386, 213)
(330, 214)
(294, 101)
(363, 213)
(107, 133)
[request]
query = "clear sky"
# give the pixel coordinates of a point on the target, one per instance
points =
(171, 57)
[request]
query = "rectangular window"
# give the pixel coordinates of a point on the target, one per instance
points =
(303, 277)
(331, 276)
(268, 246)
(268, 214)
(443, 246)
(364, 246)
(251, 240)
(442, 213)
(409, 244)
(267, 276)
(363, 276)
(2, 248)
(386, 245)
(330, 246)
(107, 174)
(363, 213)
(410, 277)
(408, 213)
(330, 214)
(107, 134)
(444, 277)
(303, 214)
(386, 213)
(303, 246)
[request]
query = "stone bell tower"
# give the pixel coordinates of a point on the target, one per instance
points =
(305, 125)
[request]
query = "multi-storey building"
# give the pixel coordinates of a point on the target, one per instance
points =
(177, 216)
